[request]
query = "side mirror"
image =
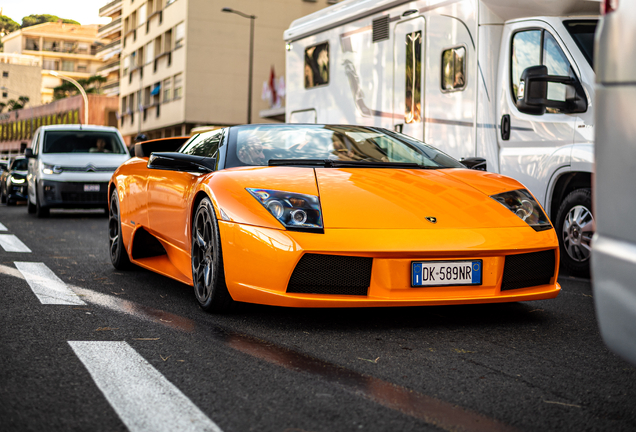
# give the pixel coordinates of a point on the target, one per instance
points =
(532, 94)
(173, 161)
(475, 163)
(28, 153)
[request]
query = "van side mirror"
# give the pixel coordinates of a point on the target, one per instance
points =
(28, 153)
(532, 94)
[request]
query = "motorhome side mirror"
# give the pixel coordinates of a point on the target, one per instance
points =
(174, 161)
(28, 153)
(532, 93)
(475, 163)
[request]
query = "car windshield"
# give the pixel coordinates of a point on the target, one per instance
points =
(20, 165)
(82, 142)
(257, 145)
(582, 31)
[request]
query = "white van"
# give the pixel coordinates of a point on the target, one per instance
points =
(505, 85)
(614, 245)
(70, 166)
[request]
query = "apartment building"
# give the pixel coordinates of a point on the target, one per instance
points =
(68, 49)
(110, 53)
(185, 63)
(20, 75)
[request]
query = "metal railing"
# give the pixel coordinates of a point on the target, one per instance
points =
(113, 23)
(109, 5)
(109, 65)
(110, 45)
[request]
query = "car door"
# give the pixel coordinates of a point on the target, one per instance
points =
(170, 192)
(536, 145)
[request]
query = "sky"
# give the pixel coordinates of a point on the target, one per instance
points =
(87, 13)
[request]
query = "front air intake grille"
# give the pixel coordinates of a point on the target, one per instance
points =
(380, 28)
(530, 269)
(85, 197)
(331, 274)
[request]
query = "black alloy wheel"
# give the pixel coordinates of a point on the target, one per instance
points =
(208, 276)
(575, 227)
(118, 255)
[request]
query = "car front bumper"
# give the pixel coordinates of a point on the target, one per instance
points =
(73, 194)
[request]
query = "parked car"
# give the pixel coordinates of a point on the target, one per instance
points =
(13, 185)
(328, 216)
(614, 245)
(70, 166)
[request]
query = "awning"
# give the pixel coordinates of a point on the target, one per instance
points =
(155, 90)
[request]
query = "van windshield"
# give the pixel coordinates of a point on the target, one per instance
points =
(582, 31)
(82, 142)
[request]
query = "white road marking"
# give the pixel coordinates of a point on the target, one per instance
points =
(11, 243)
(46, 285)
(143, 398)
(2, 227)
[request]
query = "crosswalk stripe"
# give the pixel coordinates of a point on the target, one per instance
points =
(143, 398)
(11, 243)
(48, 288)
(2, 227)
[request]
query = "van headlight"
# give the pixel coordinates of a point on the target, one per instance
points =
(522, 203)
(51, 169)
(297, 212)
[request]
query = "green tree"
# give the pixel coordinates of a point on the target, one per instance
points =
(18, 104)
(7, 25)
(91, 85)
(34, 19)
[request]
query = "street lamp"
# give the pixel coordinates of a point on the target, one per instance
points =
(79, 87)
(249, 84)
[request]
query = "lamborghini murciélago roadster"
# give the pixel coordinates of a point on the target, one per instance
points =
(327, 216)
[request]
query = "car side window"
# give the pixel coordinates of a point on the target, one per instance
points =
(207, 144)
(538, 47)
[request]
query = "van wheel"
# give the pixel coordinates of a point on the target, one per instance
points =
(30, 207)
(40, 210)
(575, 228)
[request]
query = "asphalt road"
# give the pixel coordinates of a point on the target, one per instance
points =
(139, 350)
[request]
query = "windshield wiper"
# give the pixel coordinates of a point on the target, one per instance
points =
(331, 163)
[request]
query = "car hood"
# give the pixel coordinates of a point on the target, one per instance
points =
(413, 198)
(84, 159)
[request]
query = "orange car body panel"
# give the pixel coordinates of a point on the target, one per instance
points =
(378, 213)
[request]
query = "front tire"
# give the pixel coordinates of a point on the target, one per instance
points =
(31, 208)
(40, 210)
(118, 255)
(208, 276)
(575, 228)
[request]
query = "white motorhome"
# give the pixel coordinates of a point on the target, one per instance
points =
(507, 81)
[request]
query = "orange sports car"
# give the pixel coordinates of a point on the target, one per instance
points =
(327, 216)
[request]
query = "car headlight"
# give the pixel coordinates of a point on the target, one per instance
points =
(521, 203)
(297, 212)
(51, 169)
(16, 180)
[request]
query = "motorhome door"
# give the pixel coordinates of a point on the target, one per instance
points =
(408, 77)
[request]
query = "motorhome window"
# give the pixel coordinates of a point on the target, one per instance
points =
(583, 34)
(413, 79)
(81, 142)
(206, 144)
(526, 52)
(557, 64)
(317, 65)
(454, 69)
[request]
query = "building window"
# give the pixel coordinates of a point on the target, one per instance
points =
(123, 105)
(5, 94)
(317, 65)
(178, 85)
(141, 14)
(51, 45)
(32, 44)
(167, 41)
(82, 48)
(167, 89)
(68, 66)
(126, 65)
(82, 68)
(179, 35)
(454, 69)
(150, 52)
(5, 74)
(68, 47)
(50, 64)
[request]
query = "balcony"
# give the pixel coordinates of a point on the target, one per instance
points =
(114, 44)
(113, 64)
(111, 27)
(110, 8)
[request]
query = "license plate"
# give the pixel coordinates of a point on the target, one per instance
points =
(441, 273)
(91, 188)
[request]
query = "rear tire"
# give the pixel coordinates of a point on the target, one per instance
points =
(40, 210)
(208, 276)
(575, 227)
(30, 207)
(118, 255)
